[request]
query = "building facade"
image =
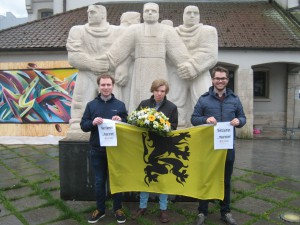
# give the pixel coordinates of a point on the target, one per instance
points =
(258, 42)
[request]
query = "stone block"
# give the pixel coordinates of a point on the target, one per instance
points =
(28, 202)
(274, 194)
(42, 215)
(10, 220)
(75, 171)
(18, 192)
(253, 205)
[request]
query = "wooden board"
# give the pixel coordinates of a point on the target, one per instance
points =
(39, 64)
(33, 129)
(39, 130)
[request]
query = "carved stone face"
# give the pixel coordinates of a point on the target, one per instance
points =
(151, 13)
(191, 16)
(95, 15)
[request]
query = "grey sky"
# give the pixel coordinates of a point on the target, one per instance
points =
(17, 7)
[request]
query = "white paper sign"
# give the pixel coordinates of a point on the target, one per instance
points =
(107, 133)
(223, 135)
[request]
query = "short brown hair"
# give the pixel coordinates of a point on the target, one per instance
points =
(219, 69)
(105, 76)
(158, 83)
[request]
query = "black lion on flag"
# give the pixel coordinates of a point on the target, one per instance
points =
(165, 154)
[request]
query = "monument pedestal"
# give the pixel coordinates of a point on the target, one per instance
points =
(77, 179)
(75, 171)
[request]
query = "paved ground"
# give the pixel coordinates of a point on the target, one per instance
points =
(266, 183)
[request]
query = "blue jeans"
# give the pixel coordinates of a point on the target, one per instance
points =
(99, 161)
(225, 204)
(163, 200)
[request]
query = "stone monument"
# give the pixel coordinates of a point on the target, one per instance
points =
(138, 56)
(135, 54)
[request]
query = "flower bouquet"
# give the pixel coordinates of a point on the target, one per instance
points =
(151, 119)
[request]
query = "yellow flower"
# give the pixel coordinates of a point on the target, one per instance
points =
(151, 118)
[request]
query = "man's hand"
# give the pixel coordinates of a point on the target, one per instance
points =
(211, 120)
(117, 118)
(235, 122)
(97, 121)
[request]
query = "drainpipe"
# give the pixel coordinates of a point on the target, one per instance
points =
(64, 5)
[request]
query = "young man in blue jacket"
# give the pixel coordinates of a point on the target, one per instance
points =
(104, 106)
(219, 104)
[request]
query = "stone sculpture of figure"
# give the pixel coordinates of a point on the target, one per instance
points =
(151, 42)
(129, 18)
(202, 44)
(167, 22)
(84, 44)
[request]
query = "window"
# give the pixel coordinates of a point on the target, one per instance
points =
(44, 13)
(261, 84)
(231, 80)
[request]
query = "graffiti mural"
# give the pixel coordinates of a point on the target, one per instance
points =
(36, 95)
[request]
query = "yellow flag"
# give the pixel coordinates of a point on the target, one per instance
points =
(183, 163)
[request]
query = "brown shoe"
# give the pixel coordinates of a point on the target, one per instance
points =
(139, 212)
(163, 217)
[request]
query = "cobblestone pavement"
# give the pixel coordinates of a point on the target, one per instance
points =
(266, 183)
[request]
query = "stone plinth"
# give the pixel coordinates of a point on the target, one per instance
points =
(75, 171)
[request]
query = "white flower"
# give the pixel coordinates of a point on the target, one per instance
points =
(151, 119)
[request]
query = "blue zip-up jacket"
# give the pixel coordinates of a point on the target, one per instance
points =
(209, 105)
(104, 109)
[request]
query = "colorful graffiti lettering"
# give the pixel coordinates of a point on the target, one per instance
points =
(36, 96)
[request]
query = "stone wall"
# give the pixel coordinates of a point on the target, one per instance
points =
(243, 78)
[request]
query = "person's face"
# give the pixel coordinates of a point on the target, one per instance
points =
(151, 13)
(220, 81)
(191, 16)
(95, 16)
(105, 87)
(160, 93)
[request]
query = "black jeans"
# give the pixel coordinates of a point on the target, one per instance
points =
(225, 204)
